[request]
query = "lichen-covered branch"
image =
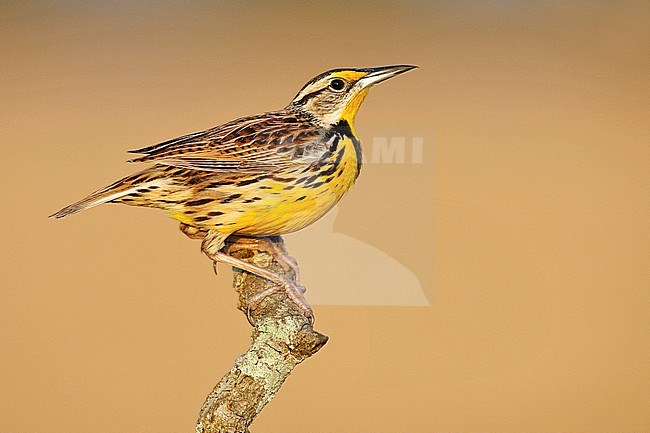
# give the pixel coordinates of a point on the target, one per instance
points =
(282, 338)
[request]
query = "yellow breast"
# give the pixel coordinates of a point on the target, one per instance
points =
(293, 201)
(278, 202)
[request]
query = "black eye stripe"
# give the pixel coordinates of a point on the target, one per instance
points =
(341, 84)
(308, 96)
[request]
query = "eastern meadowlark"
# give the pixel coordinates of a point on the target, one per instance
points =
(264, 175)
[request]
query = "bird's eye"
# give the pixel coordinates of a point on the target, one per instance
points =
(337, 84)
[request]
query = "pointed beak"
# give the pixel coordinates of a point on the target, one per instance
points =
(382, 73)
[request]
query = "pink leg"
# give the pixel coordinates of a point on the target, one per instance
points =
(211, 246)
(285, 261)
(292, 289)
(196, 233)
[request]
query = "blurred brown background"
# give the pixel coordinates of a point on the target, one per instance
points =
(527, 223)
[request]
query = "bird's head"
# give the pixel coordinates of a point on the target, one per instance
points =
(337, 94)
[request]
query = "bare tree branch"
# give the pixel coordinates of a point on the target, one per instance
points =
(282, 338)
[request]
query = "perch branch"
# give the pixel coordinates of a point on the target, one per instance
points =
(282, 338)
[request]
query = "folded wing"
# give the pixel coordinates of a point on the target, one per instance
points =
(261, 143)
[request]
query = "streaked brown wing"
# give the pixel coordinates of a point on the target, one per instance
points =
(260, 143)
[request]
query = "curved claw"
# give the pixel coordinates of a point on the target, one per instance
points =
(286, 262)
(294, 292)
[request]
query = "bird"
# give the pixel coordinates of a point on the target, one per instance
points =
(258, 176)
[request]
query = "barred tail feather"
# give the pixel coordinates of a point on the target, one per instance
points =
(107, 194)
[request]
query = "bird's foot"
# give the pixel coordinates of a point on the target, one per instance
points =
(293, 290)
(269, 246)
